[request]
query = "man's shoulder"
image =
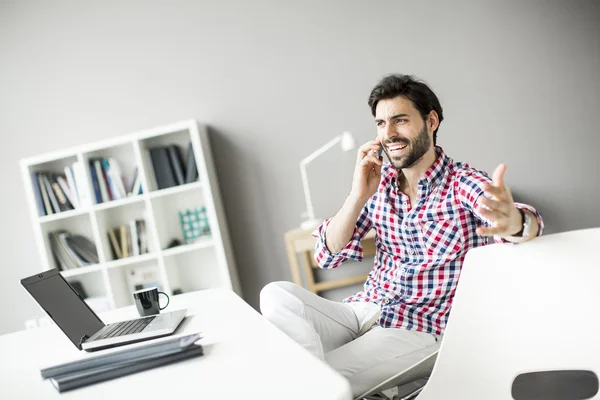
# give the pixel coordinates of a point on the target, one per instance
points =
(462, 171)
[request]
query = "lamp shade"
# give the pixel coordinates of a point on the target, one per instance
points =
(347, 141)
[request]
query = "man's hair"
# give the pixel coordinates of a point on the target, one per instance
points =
(410, 88)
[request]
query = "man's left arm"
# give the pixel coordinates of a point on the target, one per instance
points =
(493, 201)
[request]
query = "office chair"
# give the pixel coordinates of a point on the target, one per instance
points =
(524, 325)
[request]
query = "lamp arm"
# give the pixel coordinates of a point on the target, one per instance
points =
(322, 150)
(309, 207)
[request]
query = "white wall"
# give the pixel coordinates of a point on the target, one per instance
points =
(519, 83)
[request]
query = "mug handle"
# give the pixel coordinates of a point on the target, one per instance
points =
(168, 300)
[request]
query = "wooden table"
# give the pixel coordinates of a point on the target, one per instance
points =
(300, 243)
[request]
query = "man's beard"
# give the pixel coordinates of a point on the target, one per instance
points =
(418, 147)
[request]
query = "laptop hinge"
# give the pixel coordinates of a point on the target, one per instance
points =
(82, 340)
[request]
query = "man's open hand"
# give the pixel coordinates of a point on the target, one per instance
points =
(506, 218)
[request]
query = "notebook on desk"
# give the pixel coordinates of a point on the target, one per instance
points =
(81, 324)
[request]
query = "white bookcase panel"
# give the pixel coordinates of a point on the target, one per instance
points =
(206, 263)
(195, 270)
(123, 281)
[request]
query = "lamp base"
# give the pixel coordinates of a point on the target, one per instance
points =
(311, 223)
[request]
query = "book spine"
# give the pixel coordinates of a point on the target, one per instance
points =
(37, 190)
(95, 183)
(132, 180)
(71, 183)
(162, 167)
(176, 166)
(101, 181)
(45, 198)
(117, 177)
(115, 244)
(83, 190)
(51, 195)
(110, 183)
(135, 248)
(63, 202)
(66, 190)
(124, 247)
(191, 170)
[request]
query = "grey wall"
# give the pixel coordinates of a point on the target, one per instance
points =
(519, 83)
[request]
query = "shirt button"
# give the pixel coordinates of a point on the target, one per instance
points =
(412, 251)
(386, 301)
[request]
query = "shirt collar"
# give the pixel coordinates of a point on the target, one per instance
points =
(431, 178)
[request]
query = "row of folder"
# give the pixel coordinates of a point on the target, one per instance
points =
(90, 370)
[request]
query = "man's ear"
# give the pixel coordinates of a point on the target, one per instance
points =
(433, 120)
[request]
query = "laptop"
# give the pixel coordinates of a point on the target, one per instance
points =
(81, 324)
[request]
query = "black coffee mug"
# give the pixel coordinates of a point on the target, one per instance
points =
(147, 303)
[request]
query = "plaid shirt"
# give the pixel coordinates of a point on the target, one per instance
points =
(420, 249)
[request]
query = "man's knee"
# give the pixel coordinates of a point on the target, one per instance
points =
(276, 296)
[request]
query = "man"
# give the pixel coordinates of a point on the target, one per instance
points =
(427, 211)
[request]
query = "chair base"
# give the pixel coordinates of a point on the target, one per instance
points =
(408, 391)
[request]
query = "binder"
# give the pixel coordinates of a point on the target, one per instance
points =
(91, 370)
(191, 173)
(176, 164)
(162, 167)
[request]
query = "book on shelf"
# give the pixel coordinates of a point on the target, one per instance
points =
(191, 173)
(41, 198)
(162, 167)
(176, 163)
(169, 166)
(135, 184)
(90, 370)
(54, 193)
(72, 251)
(57, 192)
(129, 239)
(108, 180)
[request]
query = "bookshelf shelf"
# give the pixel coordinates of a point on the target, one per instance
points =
(130, 260)
(130, 234)
(117, 203)
(175, 190)
(62, 215)
(184, 248)
(81, 270)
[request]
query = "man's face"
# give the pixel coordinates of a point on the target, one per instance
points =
(403, 133)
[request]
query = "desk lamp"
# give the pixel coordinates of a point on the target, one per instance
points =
(347, 143)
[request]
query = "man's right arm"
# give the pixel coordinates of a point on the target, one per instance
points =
(342, 227)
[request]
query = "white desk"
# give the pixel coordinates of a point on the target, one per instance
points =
(245, 357)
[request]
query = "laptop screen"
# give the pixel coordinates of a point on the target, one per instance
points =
(63, 305)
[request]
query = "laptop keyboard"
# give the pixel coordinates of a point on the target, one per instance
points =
(125, 328)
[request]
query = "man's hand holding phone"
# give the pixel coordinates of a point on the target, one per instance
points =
(367, 172)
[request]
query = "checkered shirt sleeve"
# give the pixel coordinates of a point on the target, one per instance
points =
(353, 250)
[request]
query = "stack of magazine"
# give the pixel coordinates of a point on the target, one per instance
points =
(101, 368)
(72, 251)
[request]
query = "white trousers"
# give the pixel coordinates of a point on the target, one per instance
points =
(344, 334)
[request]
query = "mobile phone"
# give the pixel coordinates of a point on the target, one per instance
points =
(377, 153)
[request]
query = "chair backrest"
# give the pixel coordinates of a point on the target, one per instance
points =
(521, 308)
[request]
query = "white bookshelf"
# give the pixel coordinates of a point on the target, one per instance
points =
(206, 263)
